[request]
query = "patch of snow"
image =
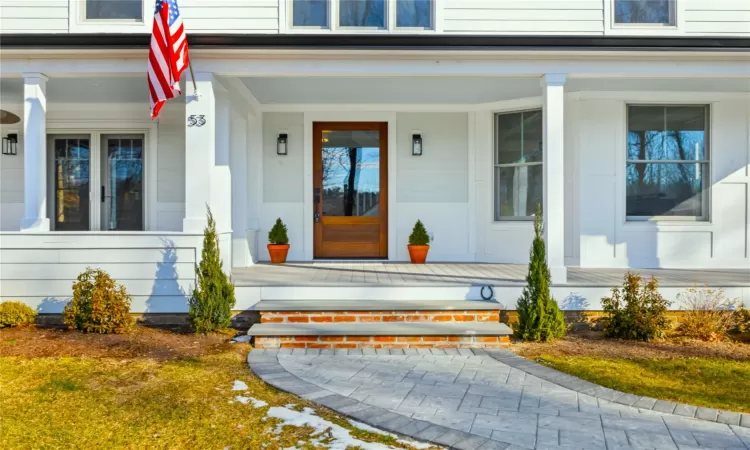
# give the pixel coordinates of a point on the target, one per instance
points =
(246, 400)
(368, 428)
(241, 338)
(341, 438)
(239, 386)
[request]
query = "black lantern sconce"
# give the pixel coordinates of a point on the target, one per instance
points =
(10, 144)
(416, 145)
(281, 144)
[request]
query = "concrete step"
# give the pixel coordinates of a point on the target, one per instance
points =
(381, 329)
(376, 305)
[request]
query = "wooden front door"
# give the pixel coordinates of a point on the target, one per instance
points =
(350, 189)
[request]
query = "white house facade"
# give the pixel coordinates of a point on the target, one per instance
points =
(627, 121)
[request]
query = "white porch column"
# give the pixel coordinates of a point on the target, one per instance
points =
(35, 153)
(200, 146)
(553, 94)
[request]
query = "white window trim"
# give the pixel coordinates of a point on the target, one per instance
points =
(95, 130)
(286, 16)
(644, 29)
(79, 24)
(631, 222)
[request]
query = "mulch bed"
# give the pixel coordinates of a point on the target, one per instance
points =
(610, 348)
(142, 343)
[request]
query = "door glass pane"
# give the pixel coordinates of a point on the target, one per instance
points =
(414, 13)
(122, 208)
(662, 189)
(351, 173)
(111, 9)
(71, 184)
(362, 13)
(310, 13)
(643, 11)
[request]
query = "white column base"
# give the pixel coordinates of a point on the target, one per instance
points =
(559, 275)
(35, 225)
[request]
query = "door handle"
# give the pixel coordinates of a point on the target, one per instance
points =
(103, 194)
(316, 217)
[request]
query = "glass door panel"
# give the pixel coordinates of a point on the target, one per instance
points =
(122, 182)
(70, 183)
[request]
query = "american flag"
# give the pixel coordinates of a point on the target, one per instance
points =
(168, 56)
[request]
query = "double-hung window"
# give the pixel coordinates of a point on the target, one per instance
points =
(644, 12)
(519, 155)
(667, 167)
(114, 10)
(362, 14)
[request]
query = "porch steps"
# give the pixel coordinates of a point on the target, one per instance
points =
(379, 324)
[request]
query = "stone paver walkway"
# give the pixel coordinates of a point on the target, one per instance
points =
(466, 399)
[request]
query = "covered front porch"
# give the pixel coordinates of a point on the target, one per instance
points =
(476, 197)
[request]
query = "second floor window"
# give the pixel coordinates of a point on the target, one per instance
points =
(644, 12)
(120, 10)
(362, 14)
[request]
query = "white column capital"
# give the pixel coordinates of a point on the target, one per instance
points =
(34, 78)
(553, 79)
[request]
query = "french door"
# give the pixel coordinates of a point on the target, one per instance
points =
(96, 182)
(350, 189)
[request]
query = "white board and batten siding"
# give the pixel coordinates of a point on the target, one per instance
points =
(523, 17)
(33, 16)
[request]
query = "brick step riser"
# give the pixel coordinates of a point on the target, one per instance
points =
(386, 342)
(378, 316)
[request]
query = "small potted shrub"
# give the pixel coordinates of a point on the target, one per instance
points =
(278, 242)
(419, 243)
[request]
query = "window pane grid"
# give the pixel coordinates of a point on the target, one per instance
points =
(362, 14)
(667, 164)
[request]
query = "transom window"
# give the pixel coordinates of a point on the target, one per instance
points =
(115, 10)
(667, 167)
(644, 12)
(362, 14)
(519, 176)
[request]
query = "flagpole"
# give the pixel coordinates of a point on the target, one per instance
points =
(192, 75)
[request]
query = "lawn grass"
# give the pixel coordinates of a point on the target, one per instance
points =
(181, 399)
(701, 374)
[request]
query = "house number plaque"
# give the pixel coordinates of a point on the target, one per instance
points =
(196, 120)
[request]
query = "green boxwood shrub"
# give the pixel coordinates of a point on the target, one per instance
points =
(278, 234)
(419, 235)
(16, 314)
(636, 311)
(213, 297)
(99, 305)
(539, 317)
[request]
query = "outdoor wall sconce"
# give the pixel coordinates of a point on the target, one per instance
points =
(10, 144)
(416, 145)
(281, 144)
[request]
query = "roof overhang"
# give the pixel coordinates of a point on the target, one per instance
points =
(382, 42)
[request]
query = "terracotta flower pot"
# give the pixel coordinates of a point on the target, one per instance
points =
(278, 253)
(418, 253)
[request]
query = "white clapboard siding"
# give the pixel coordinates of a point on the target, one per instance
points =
(95, 255)
(33, 16)
(139, 303)
(62, 288)
(717, 17)
(230, 16)
(527, 16)
(118, 271)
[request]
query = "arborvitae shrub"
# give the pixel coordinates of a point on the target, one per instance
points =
(278, 234)
(419, 235)
(636, 311)
(99, 305)
(539, 317)
(213, 297)
(16, 314)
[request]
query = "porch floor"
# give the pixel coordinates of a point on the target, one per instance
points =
(358, 273)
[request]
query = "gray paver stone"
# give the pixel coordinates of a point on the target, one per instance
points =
(706, 414)
(685, 410)
(728, 417)
(494, 445)
(664, 406)
(451, 437)
(470, 443)
(432, 433)
(745, 420)
(627, 399)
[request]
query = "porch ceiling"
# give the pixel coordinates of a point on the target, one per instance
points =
(457, 90)
(82, 90)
